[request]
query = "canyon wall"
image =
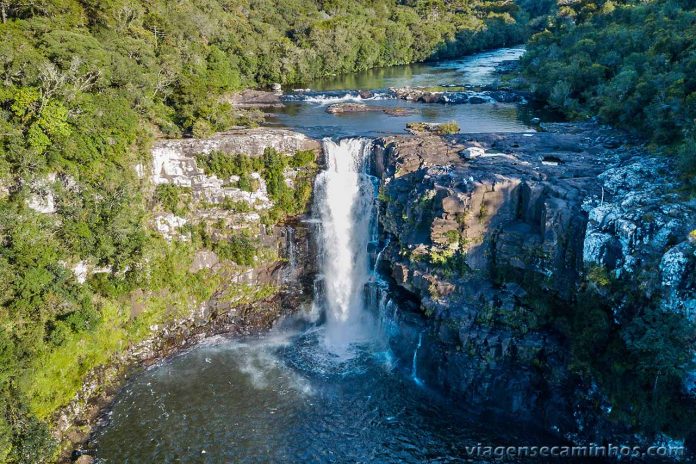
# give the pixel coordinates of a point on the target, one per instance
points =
(268, 273)
(501, 238)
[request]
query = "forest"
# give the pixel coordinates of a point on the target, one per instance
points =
(87, 86)
(631, 63)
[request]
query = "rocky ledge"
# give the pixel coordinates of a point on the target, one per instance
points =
(462, 95)
(341, 108)
(255, 99)
(495, 234)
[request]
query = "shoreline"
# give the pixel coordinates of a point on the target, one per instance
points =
(88, 413)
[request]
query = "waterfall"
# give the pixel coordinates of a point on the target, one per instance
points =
(379, 256)
(290, 254)
(414, 367)
(344, 203)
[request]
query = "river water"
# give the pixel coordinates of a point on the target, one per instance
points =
(306, 111)
(340, 382)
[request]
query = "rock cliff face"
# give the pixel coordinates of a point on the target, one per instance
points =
(286, 261)
(251, 295)
(495, 234)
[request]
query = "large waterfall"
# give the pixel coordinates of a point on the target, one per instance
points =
(344, 208)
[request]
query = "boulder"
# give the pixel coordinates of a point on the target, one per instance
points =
(366, 94)
(339, 108)
(476, 100)
(473, 152)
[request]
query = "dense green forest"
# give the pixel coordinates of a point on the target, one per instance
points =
(632, 63)
(87, 86)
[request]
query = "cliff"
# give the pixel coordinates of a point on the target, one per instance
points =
(503, 239)
(247, 269)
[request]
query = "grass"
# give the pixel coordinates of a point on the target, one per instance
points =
(55, 377)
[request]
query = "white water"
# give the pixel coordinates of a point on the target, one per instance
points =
(414, 366)
(324, 99)
(344, 205)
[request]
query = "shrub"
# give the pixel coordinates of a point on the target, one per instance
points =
(303, 158)
(240, 206)
(448, 128)
(224, 165)
(170, 197)
(239, 248)
(599, 276)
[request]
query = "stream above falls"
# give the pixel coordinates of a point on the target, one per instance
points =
(305, 108)
(339, 382)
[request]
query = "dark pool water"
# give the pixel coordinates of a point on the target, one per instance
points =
(283, 399)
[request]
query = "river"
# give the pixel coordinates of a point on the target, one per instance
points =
(338, 383)
(306, 111)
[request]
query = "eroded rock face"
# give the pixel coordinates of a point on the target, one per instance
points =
(174, 162)
(639, 229)
(488, 230)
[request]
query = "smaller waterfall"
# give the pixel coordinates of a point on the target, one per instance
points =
(379, 257)
(414, 366)
(290, 254)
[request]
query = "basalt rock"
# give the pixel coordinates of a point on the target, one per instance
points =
(490, 232)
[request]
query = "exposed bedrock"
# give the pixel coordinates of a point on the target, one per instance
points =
(286, 257)
(496, 234)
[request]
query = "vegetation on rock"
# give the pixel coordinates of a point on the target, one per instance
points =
(633, 63)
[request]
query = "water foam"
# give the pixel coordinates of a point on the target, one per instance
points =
(329, 98)
(344, 205)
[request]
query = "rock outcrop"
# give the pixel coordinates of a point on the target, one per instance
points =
(461, 96)
(256, 99)
(492, 233)
(174, 162)
(342, 108)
